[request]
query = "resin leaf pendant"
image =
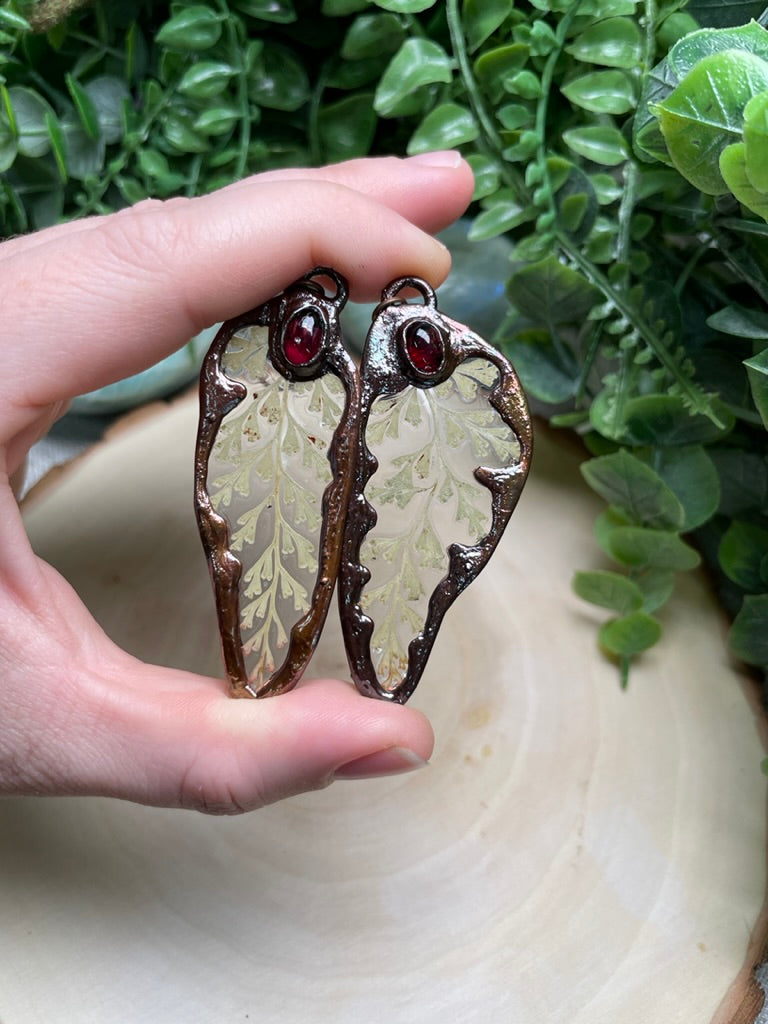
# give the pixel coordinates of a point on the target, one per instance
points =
(397, 480)
(443, 453)
(273, 478)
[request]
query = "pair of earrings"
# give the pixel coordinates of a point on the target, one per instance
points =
(392, 481)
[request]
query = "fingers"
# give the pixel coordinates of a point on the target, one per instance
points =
(171, 739)
(363, 175)
(300, 741)
(131, 287)
(80, 716)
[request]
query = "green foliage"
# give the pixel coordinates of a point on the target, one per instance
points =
(622, 150)
(710, 96)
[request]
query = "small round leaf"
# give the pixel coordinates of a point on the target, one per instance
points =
(630, 635)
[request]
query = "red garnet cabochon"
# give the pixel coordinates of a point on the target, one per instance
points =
(424, 346)
(303, 336)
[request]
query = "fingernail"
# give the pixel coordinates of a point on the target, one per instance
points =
(392, 761)
(438, 158)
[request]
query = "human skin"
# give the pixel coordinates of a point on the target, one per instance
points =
(87, 303)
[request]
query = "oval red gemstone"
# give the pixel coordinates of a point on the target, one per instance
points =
(424, 346)
(303, 336)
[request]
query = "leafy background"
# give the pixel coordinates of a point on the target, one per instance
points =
(632, 189)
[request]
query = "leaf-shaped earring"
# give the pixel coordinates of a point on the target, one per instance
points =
(443, 452)
(307, 472)
(270, 494)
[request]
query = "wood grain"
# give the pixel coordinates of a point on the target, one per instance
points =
(573, 854)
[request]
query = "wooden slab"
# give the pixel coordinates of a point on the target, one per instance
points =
(573, 855)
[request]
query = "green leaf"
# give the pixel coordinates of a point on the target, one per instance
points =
(217, 120)
(741, 550)
(630, 635)
(494, 66)
(757, 371)
(602, 144)
(136, 54)
(514, 115)
(340, 8)
(193, 28)
(614, 43)
(656, 586)
(487, 173)
(687, 53)
(743, 481)
(756, 141)
(609, 520)
(58, 145)
(607, 188)
(445, 127)
(549, 374)
(152, 163)
(749, 633)
(575, 198)
(130, 189)
(85, 156)
(683, 57)
(740, 321)
(108, 95)
(673, 28)
(665, 420)
(603, 92)
(346, 74)
(733, 169)
(372, 35)
(647, 138)
(8, 145)
(281, 12)
(405, 6)
(524, 83)
(482, 17)
(499, 218)
(691, 475)
(279, 80)
(625, 481)
(596, 9)
(206, 79)
(178, 131)
(552, 293)
(418, 63)
(572, 211)
(705, 113)
(86, 111)
(641, 547)
(30, 112)
(346, 128)
(14, 21)
(523, 148)
(608, 590)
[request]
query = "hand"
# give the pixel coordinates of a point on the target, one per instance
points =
(87, 303)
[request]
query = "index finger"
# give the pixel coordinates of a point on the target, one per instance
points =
(92, 305)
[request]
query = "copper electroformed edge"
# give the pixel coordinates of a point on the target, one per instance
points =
(347, 514)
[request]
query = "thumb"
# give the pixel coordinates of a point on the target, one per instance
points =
(256, 752)
(168, 738)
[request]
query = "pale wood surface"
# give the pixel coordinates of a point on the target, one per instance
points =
(573, 855)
